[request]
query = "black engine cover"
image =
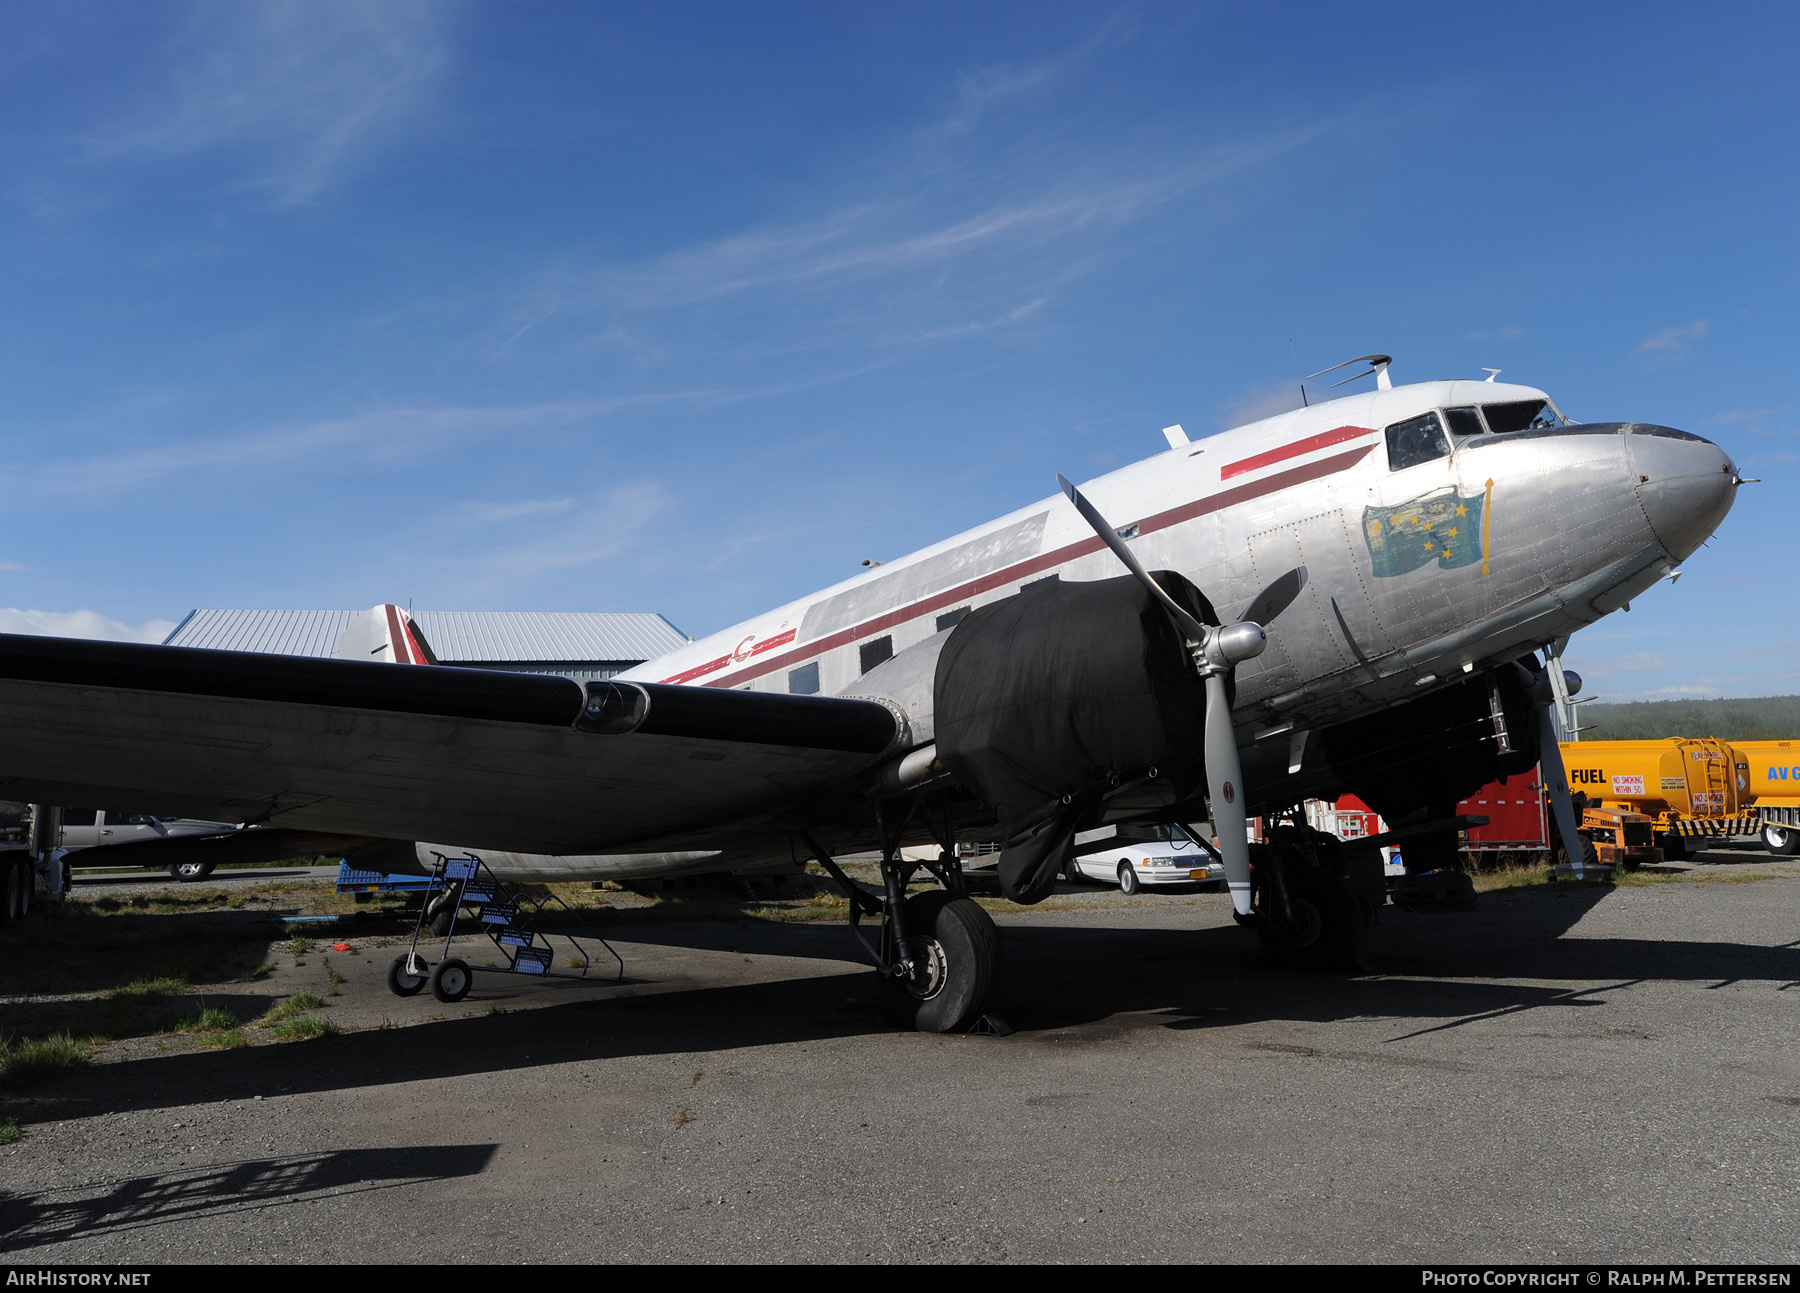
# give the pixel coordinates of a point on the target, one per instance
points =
(1047, 698)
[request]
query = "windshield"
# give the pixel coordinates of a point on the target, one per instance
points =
(1520, 415)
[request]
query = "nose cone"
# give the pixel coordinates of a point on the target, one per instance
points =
(1686, 483)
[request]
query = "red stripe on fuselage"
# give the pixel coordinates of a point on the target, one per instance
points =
(1044, 561)
(1324, 440)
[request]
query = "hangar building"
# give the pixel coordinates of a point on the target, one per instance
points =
(583, 645)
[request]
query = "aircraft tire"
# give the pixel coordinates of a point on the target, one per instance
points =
(1328, 923)
(402, 984)
(451, 980)
(188, 872)
(1784, 843)
(9, 892)
(958, 948)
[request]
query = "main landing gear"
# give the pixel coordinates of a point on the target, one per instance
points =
(1305, 911)
(939, 956)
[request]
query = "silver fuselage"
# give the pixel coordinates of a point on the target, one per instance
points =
(1499, 546)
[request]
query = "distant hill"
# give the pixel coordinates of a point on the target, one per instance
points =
(1760, 718)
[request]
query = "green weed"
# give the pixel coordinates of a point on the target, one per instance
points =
(225, 1039)
(9, 1131)
(298, 1004)
(209, 1020)
(303, 1028)
(25, 1063)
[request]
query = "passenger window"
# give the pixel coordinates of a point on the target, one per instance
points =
(1414, 441)
(804, 681)
(950, 619)
(876, 652)
(1464, 422)
(79, 816)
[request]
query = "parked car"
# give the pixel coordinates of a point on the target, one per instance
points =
(87, 829)
(1142, 857)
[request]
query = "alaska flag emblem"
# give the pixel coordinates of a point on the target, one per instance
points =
(1442, 526)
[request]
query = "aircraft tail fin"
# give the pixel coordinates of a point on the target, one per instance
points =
(385, 633)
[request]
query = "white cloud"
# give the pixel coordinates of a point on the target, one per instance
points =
(1740, 415)
(603, 529)
(1672, 345)
(302, 90)
(1603, 666)
(1254, 403)
(10, 565)
(398, 436)
(82, 624)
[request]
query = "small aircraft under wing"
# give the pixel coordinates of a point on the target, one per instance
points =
(1344, 598)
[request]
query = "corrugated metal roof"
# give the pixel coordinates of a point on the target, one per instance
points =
(311, 633)
(568, 638)
(547, 635)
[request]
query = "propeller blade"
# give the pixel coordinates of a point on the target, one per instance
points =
(1225, 783)
(1277, 597)
(1110, 537)
(1550, 763)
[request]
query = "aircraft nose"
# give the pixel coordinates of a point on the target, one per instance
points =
(1686, 484)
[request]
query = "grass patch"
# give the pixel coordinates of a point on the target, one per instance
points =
(150, 990)
(9, 1131)
(298, 1004)
(25, 1063)
(1517, 876)
(302, 1028)
(210, 1020)
(299, 946)
(224, 1039)
(331, 971)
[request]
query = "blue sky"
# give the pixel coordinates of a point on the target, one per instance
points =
(692, 307)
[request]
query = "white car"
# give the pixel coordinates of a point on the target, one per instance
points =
(85, 829)
(1169, 857)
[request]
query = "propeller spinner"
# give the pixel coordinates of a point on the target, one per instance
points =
(1218, 649)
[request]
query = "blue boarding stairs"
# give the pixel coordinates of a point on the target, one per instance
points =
(522, 925)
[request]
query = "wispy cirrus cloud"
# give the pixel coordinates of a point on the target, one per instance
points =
(298, 92)
(602, 528)
(394, 436)
(1672, 345)
(934, 247)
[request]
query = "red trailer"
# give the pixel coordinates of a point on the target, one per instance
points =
(1517, 821)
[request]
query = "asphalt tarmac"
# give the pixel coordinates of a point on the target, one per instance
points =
(1599, 1075)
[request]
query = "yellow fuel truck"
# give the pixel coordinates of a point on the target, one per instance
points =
(1774, 768)
(1690, 788)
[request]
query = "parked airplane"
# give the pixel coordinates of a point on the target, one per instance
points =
(1340, 599)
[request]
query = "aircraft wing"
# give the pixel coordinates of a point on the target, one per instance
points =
(524, 762)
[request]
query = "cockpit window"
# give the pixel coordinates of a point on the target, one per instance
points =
(1464, 422)
(1414, 441)
(1520, 415)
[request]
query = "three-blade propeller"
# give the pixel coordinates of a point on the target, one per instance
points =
(1550, 761)
(1217, 650)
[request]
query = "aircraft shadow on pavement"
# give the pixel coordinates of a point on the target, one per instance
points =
(1065, 983)
(144, 1201)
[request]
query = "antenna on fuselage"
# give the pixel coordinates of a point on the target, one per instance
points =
(1378, 364)
(1492, 373)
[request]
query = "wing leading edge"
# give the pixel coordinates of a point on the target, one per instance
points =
(526, 762)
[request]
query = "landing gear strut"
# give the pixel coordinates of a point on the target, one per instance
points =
(939, 957)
